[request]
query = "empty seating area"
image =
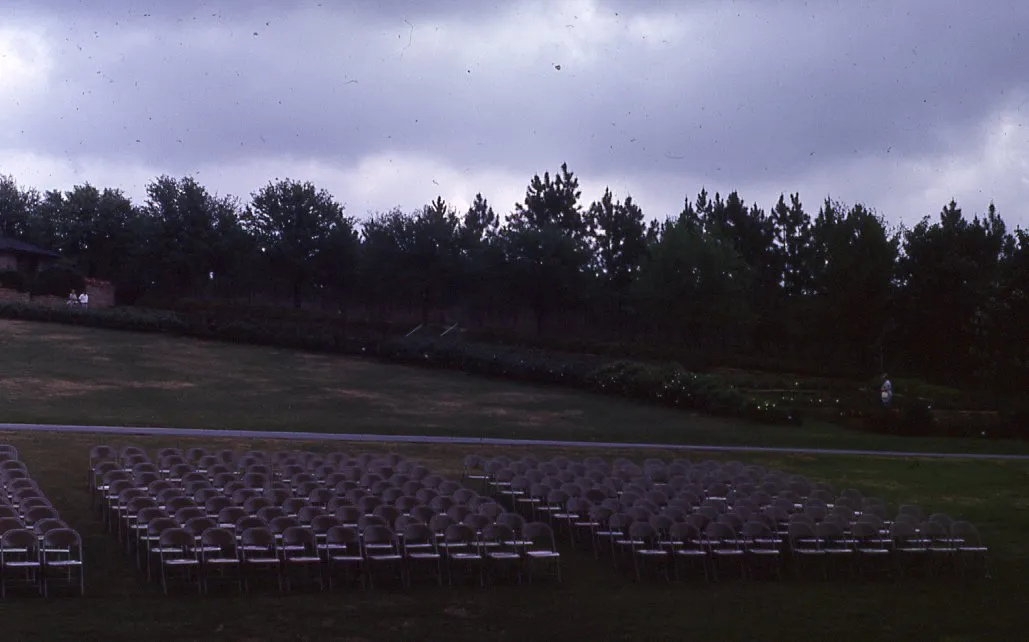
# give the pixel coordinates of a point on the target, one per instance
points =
(710, 519)
(38, 552)
(193, 520)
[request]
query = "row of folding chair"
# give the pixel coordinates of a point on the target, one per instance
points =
(581, 497)
(38, 551)
(398, 505)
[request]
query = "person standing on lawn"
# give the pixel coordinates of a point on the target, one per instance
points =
(886, 391)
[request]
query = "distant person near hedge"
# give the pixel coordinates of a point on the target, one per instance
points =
(84, 300)
(73, 298)
(886, 391)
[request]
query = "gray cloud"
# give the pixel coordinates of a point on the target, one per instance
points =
(650, 95)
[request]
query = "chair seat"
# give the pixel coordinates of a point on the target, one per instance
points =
(652, 552)
(466, 556)
(424, 556)
(181, 561)
(346, 558)
(543, 554)
(221, 561)
(262, 560)
(873, 551)
(64, 563)
(22, 564)
(690, 552)
(504, 555)
(304, 559)
(385, 558)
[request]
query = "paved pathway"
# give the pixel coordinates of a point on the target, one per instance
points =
(484, 441)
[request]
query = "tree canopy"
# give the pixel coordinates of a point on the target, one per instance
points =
(834, 290)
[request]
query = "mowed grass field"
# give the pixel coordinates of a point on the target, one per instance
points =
(593, 603)
(62, 374)
(53, 373)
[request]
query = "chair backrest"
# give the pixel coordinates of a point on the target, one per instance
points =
(197, 525)
(416, 533)
(967, 532)
(943, 519)
(258, 536)
(321, 524)
(176, 538)
(293, 505)
(829, 531)
(308, 513)
(458, 512)
(221, 538)
(387, 512)
(64, 538)
(378, 534)
(458, 533)
(754, 529)
(539, 534)
(476, 522)
(299, 536)
(247, 522)
(642, 531)
(348, 514)
(39, 513)
(864, 531)
(230, 514)
(268, 513)
(343, 535)
(913, 510)
(281, 523)
(514, 521)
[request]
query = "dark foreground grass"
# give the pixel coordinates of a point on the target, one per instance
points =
(593, 603)
(71, 375)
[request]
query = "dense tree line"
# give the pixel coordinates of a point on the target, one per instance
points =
(837, 290)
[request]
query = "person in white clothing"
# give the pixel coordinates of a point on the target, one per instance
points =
(73, 298)
(84, 300)
(886, 391)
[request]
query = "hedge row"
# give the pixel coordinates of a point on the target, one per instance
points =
(669, 384)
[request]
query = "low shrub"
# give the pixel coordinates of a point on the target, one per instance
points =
(13, 280)
(672, 385)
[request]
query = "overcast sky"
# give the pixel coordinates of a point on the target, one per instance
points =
(899, 105)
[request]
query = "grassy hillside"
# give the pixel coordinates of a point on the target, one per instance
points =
(67, 374)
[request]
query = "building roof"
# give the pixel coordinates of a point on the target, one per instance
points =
(15, 246)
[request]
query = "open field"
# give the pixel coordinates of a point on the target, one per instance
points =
(66, 374)
(593, 603)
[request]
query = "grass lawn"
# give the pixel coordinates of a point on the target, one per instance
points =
(593, 603)
(53, 373)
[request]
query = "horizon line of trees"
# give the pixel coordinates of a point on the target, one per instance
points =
(838, 290)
